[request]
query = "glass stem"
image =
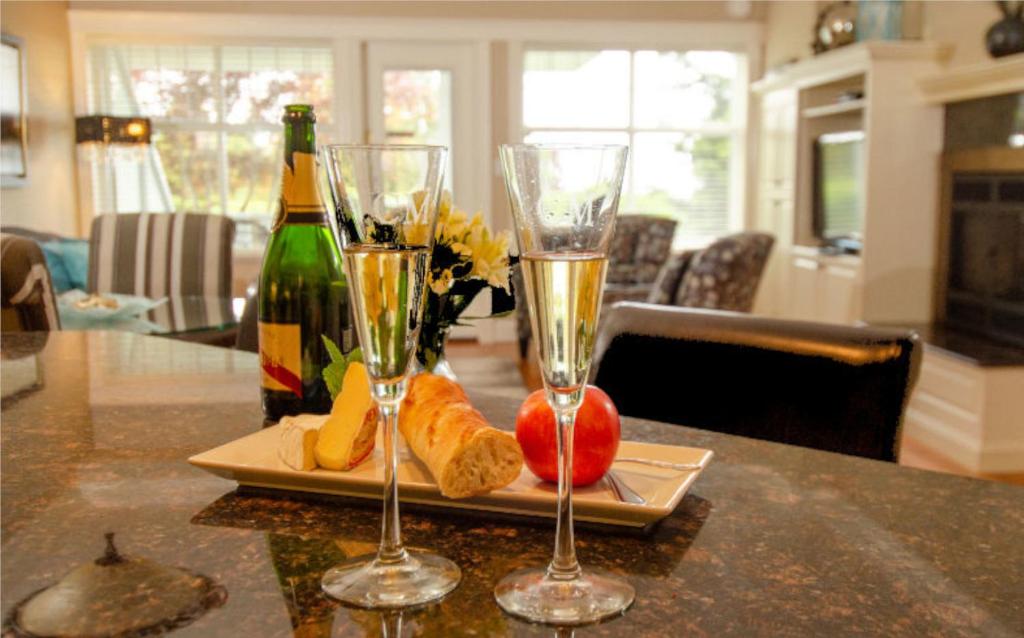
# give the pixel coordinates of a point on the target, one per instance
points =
(564, 565)
(391, 549)
(391, 624)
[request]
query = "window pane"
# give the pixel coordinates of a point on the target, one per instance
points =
(190, 165)
(175, 82)
(418, 109)
(577, 137)
(576, 89)
(196, 158)
(686, 176)
(125, 179)
(260, 81)
(254, 169)
(683, 89)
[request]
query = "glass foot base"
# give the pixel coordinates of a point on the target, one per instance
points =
(366, 582)
(533, 595)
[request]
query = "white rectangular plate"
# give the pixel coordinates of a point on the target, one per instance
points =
(252, 460)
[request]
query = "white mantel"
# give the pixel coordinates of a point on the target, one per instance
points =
(985, 79)
(850, 60)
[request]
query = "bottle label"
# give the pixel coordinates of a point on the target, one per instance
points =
(300, 199)
(281, 357)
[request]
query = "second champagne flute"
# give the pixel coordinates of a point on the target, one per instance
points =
(564, 200)
(386, 203)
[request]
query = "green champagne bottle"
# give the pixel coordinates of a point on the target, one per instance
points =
(302, 293)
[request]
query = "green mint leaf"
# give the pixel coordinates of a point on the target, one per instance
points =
(334, 374)
(332, 350)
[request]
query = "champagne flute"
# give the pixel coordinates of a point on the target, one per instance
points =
(386, 204)
(564, 199)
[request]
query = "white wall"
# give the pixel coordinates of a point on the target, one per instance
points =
(964, 24)
(48, 201)
(787, 31)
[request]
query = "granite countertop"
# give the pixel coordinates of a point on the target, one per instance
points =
(771, 540)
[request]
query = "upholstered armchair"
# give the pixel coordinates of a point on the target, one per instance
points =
(641, 246)
(723, 276)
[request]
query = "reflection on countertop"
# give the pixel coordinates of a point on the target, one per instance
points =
(116, 595)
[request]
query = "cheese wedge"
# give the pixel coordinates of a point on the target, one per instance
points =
(298, 439)
(348, 436)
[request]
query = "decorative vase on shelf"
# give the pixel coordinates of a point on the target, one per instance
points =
(430, 352)
(1006, 37)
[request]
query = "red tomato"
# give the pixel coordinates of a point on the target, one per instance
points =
(595, 438)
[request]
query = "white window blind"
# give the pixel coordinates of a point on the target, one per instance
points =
(678, 110)
(216, 112)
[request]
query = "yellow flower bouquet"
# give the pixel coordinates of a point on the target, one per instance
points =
(467, 259)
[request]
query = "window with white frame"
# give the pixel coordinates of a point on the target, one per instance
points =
(681, 112)
(216, 117)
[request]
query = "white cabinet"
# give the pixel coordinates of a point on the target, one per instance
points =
(822, 287)
(893, 278)
(776, 183)
(803, 289)
(777, 160)
(839, 299)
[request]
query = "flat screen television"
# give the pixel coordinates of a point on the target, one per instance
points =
(839, 191)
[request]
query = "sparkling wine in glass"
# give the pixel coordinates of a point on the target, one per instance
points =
(564, 200)
(386, 205)
(387, 306)
(564, 292)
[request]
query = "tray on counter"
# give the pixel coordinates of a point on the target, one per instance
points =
(253, 461)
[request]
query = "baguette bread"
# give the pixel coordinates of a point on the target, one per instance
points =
(464, 453)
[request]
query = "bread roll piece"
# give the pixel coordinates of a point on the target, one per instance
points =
(464, 453)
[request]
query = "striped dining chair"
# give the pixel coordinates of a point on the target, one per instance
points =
(161, 254)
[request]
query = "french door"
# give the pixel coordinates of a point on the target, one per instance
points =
(437, 93)
(430, 93)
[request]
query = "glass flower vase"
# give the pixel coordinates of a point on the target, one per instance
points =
(430, 352)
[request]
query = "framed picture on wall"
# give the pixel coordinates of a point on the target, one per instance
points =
(13, 149)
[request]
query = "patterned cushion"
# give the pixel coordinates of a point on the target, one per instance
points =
(623, 246)
(639, 248)
(161, 254)
(664, 289)
(655, 241)
(725, 275)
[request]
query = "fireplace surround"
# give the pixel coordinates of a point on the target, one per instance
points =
(981, 270)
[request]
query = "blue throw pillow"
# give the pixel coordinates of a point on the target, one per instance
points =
(68, 261)
(54, 254)
(76, 261)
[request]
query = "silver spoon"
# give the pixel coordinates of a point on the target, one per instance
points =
(623, 492)
(682, 467)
